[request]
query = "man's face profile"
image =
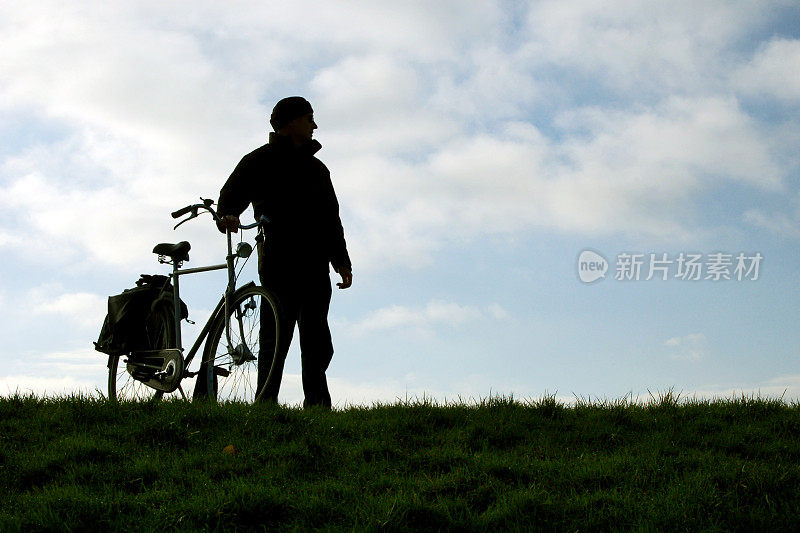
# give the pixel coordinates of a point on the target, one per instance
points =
(301, 129)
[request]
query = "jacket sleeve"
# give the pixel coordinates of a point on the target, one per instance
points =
(235, 194)
(337, 246)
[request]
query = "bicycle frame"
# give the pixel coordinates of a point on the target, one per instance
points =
(222, 305)
(176, 273)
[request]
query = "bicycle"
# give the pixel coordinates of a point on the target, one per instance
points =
(229, 370)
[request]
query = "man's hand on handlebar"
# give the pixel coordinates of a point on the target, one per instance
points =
(230, 222)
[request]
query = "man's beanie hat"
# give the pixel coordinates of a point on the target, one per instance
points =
(289, 109)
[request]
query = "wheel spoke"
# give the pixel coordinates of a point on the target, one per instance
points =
(241, 383)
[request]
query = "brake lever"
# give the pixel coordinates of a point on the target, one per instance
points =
(195, 214)
(181, 222)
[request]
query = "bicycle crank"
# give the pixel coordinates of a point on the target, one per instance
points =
(158, 369)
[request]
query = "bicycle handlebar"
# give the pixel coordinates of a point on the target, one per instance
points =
(207, 203)
(182, 211)
(262, 220)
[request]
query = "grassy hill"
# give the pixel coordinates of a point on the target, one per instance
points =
(81, 464)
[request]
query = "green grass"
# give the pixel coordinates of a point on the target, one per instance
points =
(81, 463)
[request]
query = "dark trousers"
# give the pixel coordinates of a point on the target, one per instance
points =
(305, 301)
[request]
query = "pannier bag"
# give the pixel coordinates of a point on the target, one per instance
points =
(131, 317)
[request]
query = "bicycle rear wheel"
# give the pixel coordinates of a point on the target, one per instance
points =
(160, 331)
(233, 368)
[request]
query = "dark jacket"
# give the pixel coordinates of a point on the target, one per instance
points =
(293, 189)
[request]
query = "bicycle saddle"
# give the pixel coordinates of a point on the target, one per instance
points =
(177, 252)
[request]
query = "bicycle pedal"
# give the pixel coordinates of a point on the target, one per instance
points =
(218, 370)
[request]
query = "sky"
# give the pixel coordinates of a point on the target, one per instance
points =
(501, 167)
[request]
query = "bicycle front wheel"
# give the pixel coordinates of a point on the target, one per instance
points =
(232, 359)
(160, 331)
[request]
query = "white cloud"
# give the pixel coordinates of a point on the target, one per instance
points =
(371, 85)
(497, 311)
(777, 223)
(160, 108)
(107, 66)
(692, 347)
(81, 308)
(770, 71)
(56, 373)
(785, 386)
(370, 104)
(51, 386)
(491, 83)
(640, 48)
(684, 139)
(421, 319)
(8, 238)
(639, 172)
(149, 123)
(783, 224)
(67, 222)
(347, 392)
(471, 389)
(643, 172)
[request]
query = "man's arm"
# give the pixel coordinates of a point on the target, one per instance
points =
(234, 197)
(337, 247)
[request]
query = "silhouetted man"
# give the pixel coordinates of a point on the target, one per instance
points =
(286, 183)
